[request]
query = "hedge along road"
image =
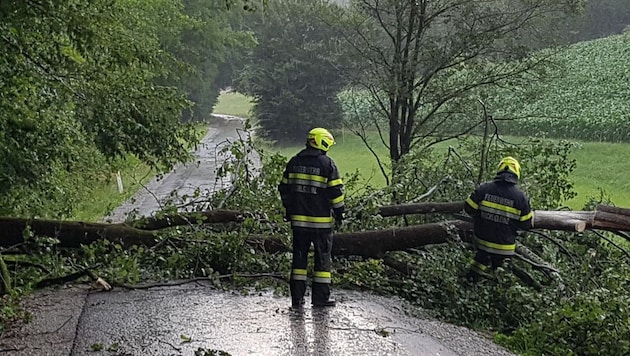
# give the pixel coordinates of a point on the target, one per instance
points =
(198, 319)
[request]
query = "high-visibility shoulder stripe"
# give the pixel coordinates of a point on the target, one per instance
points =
(472, 203)
(527, 216)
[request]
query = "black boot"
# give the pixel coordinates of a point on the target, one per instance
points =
(324, 303)
(297, 303)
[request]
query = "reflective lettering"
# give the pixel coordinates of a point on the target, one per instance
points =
(306, 170)
(495, 218)
(499, 200)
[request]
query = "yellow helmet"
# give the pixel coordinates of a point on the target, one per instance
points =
(510, 164)
(320, 138)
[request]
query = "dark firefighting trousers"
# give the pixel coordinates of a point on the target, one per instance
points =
(322, 243)
(485, 262)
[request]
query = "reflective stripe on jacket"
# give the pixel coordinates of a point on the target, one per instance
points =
(311, 190)
(499, 208)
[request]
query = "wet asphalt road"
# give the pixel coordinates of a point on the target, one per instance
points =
(186, 178)
(180, 320)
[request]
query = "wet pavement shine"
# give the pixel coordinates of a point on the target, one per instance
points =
(190, 318)
(184, 319)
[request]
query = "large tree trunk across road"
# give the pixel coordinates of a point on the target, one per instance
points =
(364, 243)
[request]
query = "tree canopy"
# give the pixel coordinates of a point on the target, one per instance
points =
(83, 83)
(296, 70)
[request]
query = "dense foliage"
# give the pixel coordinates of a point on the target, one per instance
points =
(83, 83)
(296, 69)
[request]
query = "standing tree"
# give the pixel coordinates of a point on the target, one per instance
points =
(428, 61)
(81, 84)
(207, 44)
(293, 73)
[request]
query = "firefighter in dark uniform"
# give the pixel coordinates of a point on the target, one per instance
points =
(312, 194)
(499, 208)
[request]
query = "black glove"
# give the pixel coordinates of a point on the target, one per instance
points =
(286, 217)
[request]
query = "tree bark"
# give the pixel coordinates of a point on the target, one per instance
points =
(364, 243)
(604, 218)
(575, 221)
(204, 217)
(73, 234)
(422, 208)
(375, 243)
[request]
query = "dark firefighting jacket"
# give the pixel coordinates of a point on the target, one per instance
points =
(499, 208)
(311, 190)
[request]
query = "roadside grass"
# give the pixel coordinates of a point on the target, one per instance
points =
(105, 196)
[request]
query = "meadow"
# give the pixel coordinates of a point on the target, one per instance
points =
(599, 167)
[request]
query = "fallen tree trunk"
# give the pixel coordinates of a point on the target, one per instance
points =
(365, 243)
(603, 218)
(185, 218)
(73, 234)
(375, 243)
(421, 208)
(575, 221)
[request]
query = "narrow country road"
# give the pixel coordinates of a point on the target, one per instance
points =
(186, 178)
(197, 319)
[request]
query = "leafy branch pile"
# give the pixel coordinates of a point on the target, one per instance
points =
(85, 84)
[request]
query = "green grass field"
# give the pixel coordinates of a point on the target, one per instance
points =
(233, 104)
(599, 164)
